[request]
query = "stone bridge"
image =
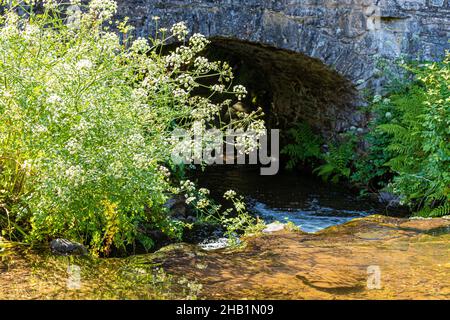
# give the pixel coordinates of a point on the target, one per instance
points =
(314, 56)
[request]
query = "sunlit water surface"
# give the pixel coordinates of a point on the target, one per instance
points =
(306, 201)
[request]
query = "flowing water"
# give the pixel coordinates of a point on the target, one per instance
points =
(306, 201)
(369, 257)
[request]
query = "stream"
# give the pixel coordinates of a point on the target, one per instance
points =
(345, 250)
(306, 201)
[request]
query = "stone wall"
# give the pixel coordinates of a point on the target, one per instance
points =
(347, 36)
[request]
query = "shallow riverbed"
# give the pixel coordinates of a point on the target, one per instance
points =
(369, 258)
(344, 251)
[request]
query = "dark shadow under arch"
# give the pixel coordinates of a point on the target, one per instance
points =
(292, 87)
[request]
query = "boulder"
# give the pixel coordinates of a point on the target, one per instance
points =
(65, 247)
(178, 209)
(389, 199)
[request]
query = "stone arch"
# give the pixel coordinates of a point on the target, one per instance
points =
(263, 22)
(296, 87)
(346, 36)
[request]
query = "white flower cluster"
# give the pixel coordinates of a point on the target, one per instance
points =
(84, 64)
(165, 172)
(50, 4)
(75, 174)
(187, 81)
(73, 146)
(198, 198)
(11, 27)
(30, 32)
(225, 71)
(257, 127)
(181, 56)
(202, 203)
(240, 92)
(198, 42)
(181, 94)
(377, 98)
(140, 45)
(180, 31)
(103, 9)
(203, 109)
(188, 187)
(105, 135)
(248, 140)
(202, 65)
(141, 160)
(139, 95)
(54, 99)
(230, 194)
(220, 88)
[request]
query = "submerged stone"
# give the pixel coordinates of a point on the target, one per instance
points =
(274, 227)
(333, 280)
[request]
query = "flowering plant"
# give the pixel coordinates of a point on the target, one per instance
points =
(86, 122)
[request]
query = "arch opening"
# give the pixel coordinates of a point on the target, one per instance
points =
(291, 87)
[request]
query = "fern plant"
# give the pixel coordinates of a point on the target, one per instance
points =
(338, 160)
(306, 150)
(440, 211)
(418, 134)
(305, 146)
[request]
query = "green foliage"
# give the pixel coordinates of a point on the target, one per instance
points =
(338, 160)
(235, 219)
(306, 149)
(86, 124)
(370, 170)
(305, 146)
(412, 137)
(440, 211)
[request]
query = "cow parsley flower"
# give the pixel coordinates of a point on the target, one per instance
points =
(377, 98)
(189, 200)
(84, 64)
(74, 172)
(198, 42)
(240, 91)
(103, 9)
(220, 88)
(50, 4)
(180, 31)
(230, 194)
(54, 99)
(202, 203)
(73, 146)
(140, 45)
(202, 64)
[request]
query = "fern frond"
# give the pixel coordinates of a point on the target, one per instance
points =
(393, 129)
(441, 211)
